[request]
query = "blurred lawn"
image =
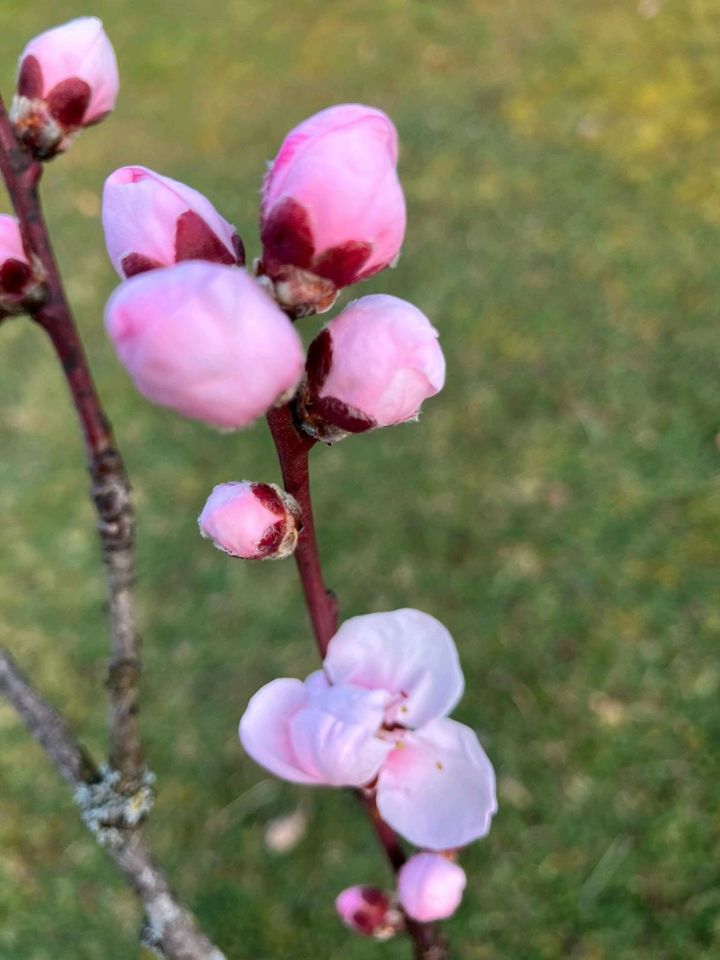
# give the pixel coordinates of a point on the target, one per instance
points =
(557, 507)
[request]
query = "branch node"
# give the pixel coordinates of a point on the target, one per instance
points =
(106, 812)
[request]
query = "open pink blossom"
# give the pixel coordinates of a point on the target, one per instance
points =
(68, 78)
(153, 221)
(15, 270)
(430, 887)
(369, 912)
(372, 366)
(255, 521)
(375, 717)
(205, 340)
(332, 205)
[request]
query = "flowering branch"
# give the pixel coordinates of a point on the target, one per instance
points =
(293, 446)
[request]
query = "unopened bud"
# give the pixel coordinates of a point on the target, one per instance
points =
(369, 912)
(19, 283)
(205, 340)
(332, 206)
(152, 221)
(255, 521)
(68, 79)
(372, 366)
(430, 887)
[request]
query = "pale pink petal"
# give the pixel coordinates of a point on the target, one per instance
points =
(375, 363)
(205, 340)
(335, 752)
(250, 520)
(437, 787)
(11, 247)
(140, 215)
(265, 731)
(78, 49)
(430, 887)
(333, 189)
(405, 652)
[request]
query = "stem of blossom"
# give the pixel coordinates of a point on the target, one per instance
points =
(110, 488)
(293, 447)
(170, 928)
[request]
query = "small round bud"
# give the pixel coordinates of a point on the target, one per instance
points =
(372, 366)
(205, 340)
(20, 284)
(333, 211)
(255, 521)
(153, 221)
(369, 912)
(68, 79)
(430, 887)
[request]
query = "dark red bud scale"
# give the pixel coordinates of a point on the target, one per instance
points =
(194, 240)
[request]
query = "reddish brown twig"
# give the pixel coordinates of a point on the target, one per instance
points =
(109, 484)
(170, 929)
(293, 447)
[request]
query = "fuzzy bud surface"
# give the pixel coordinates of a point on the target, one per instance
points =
(255, 521)
(153, 221)
(430, 887)
(369, 912)
(372, 366)
(332, 204)
(206, 341)
(68, 79)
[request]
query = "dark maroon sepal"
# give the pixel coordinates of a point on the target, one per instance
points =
(239, 248)
(194, 240)
(274, 536)
(343, 264)
(68, 101)
(135, 263)
(286, 236)
(340, 415)
(268, 498)
(319, 360)
(14, 276)
(30, 80)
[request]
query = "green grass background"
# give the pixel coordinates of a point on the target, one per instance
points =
(557, 506)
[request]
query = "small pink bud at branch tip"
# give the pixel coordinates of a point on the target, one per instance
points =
(430, 887)
(369, 912)
(333, 211)
(255, 521)
(67, 79)
(372, 366)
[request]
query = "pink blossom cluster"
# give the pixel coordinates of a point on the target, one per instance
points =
(376, 718)
(216, 344)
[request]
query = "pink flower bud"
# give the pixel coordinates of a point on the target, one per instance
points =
(430, 887)
(332, 205)
(369, 912)
(152, 221)
(68, 79)
(205, 340)
(15, 271)
(372, 366)
(256, 521)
